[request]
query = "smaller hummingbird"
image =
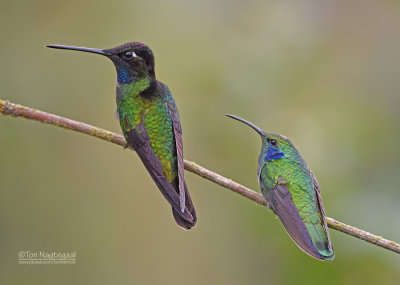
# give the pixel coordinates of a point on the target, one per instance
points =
(292, 192)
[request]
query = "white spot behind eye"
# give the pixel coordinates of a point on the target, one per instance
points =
(129, 55)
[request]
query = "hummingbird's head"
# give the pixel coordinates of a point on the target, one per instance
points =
(274, 146)
(132, 60)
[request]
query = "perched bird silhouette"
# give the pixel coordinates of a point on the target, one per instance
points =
(292, 192)
(150, 123)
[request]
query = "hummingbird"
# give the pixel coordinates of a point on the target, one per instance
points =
(150, 123)
(292, 192)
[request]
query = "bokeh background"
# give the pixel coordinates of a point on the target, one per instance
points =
(324, 73)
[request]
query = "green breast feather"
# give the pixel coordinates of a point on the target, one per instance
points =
(133, 108)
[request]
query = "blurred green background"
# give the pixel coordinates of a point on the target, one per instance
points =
(324, 73)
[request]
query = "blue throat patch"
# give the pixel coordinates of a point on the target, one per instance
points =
(123, 76)
(273, 153)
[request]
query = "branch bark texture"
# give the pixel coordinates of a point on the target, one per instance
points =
(15, 110)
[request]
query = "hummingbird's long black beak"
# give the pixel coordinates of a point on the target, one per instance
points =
(84, 49)
(257, 129)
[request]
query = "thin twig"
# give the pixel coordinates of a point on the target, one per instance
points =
(15, 110)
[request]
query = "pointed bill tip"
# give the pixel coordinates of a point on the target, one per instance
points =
(230, 116)
(84, 49)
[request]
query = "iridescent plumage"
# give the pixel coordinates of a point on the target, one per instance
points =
(150, 122)
(292, 192)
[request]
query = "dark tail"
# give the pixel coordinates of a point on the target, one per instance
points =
(181, 219)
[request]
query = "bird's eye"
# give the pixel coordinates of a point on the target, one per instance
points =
(129, 55)
(273, 142)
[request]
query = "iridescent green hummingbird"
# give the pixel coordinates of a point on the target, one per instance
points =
(150, 122)
(292, 192)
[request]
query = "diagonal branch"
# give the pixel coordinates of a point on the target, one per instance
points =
(15, 110)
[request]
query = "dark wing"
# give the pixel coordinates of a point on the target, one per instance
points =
(185, 200)
(179, 153)
(138, 138)
(284, 208)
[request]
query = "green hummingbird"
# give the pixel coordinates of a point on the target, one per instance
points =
(150, 123)
(292, 192)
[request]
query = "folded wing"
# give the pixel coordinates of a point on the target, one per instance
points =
(311, 238)
(138, 139)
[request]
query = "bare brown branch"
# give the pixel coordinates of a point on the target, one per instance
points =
(15, 110)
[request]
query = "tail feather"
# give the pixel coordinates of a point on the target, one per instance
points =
(320, 240)
(181, 219)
